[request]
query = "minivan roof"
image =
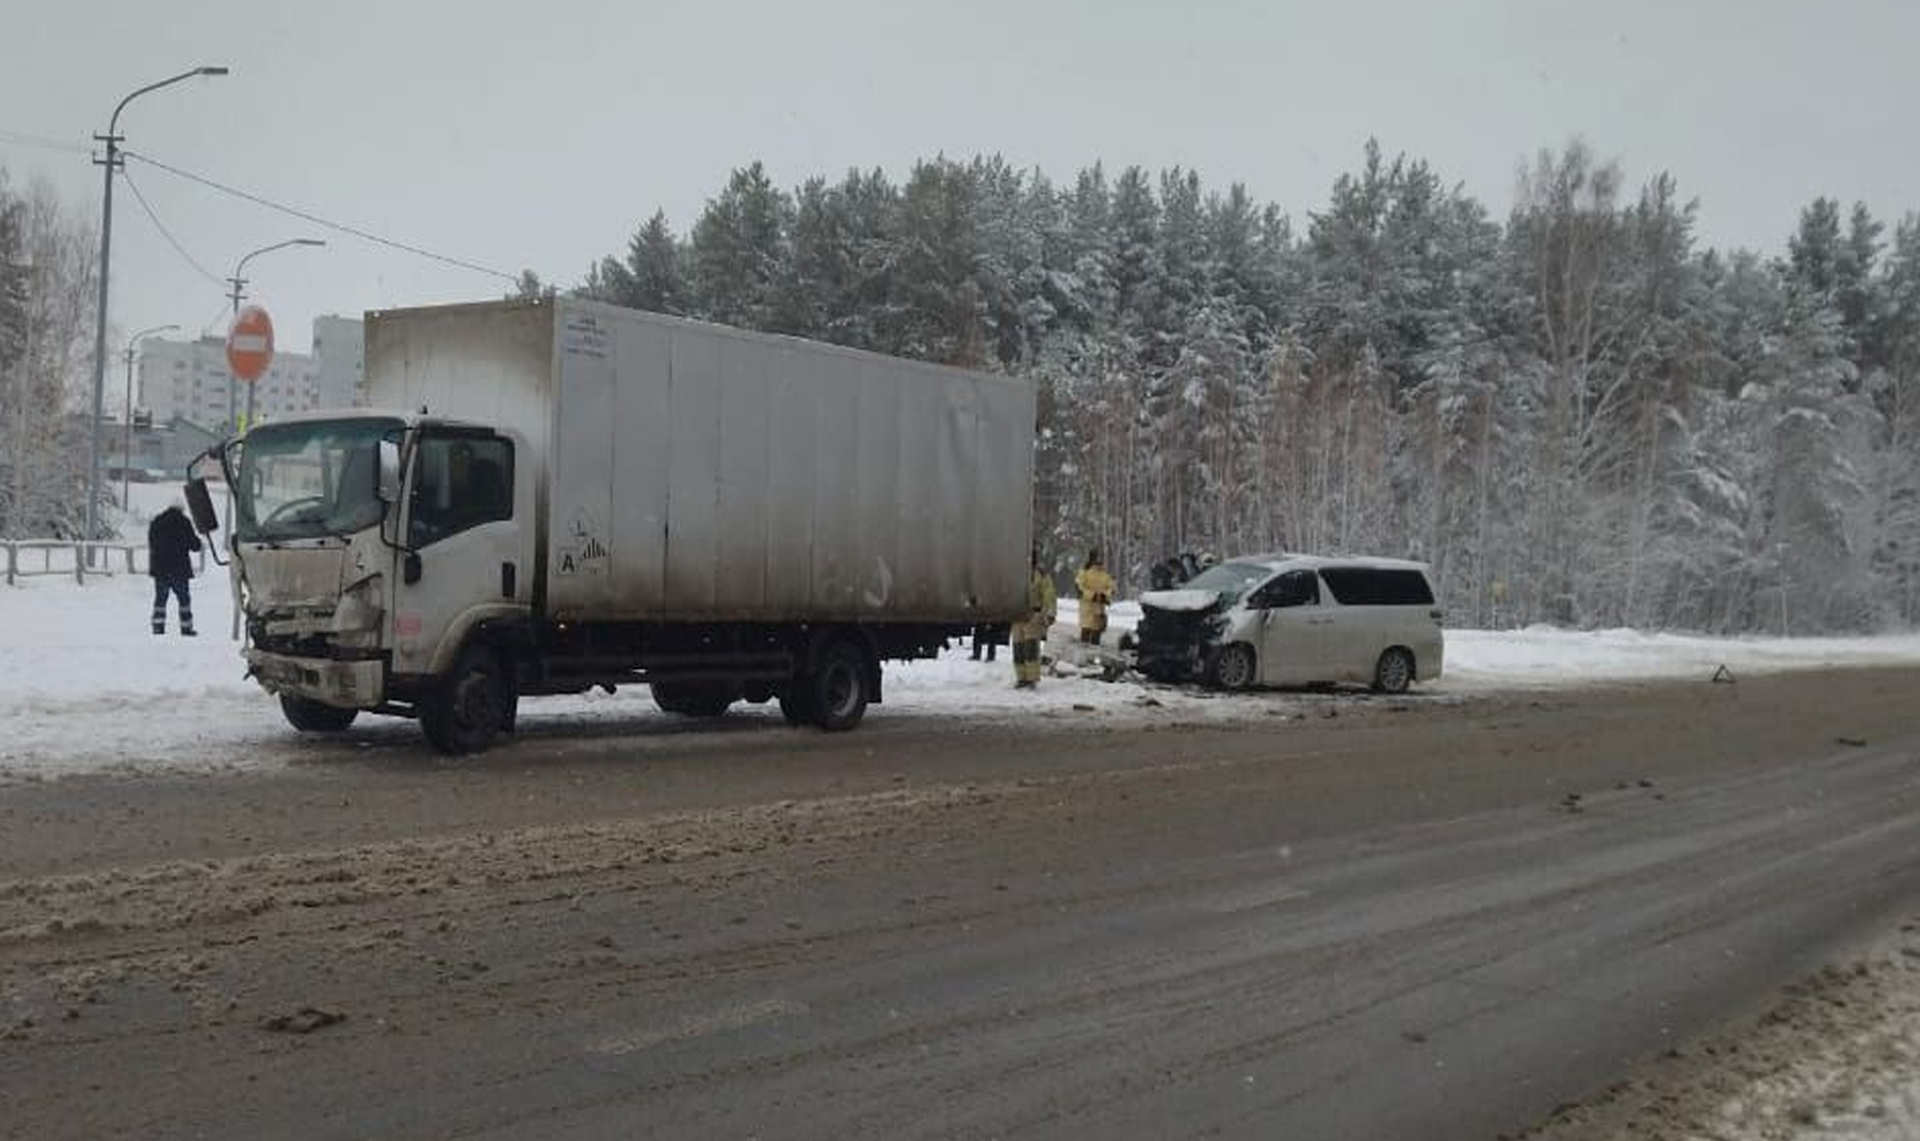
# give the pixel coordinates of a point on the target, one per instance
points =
(1282, 560)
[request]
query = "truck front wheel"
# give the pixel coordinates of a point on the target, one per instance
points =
(474, 702)
(311, 716)
(838, 689)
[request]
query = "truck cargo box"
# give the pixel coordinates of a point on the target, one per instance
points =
(692, 472)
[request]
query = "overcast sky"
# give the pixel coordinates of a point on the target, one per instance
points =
(539, 135)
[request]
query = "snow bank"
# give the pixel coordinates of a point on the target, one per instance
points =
(1546, 657)
(84, 687)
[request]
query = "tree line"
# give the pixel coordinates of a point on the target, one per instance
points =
(47, 299)
(1576, 413)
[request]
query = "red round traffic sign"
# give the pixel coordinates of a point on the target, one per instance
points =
(250, 343)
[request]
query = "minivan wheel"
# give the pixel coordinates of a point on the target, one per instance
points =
(310, 716)
(1233, 667)
(1395, 671)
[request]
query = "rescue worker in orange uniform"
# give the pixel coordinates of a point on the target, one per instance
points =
(1030, 633)
(1096, 594)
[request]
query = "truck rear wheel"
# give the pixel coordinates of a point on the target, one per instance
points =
(473, 703)
(838, 690)
(311, 716)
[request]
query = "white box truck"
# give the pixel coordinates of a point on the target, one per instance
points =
(563, 494)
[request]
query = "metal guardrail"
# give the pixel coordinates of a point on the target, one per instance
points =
(70, 557)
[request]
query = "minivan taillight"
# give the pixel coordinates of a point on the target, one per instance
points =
(1434, 614)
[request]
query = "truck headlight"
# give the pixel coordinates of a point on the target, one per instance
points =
(356, 621)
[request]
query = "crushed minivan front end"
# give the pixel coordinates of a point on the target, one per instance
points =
(1178, 635)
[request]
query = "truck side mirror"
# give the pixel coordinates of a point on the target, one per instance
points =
(200, 504)
(389, 485)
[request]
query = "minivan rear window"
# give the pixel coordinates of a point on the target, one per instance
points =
(1371, 586)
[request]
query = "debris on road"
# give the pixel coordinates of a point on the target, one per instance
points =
(303, 1021)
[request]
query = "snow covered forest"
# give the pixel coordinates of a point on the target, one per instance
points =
(1576, 413)
(47, 298)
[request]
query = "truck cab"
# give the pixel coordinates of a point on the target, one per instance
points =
(368, 548)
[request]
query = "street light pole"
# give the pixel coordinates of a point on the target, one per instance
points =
(113, 160)
(126, 443)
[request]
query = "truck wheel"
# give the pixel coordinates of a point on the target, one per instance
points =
(471, 704)
(796, 703)
(838, 692)
(310, 716)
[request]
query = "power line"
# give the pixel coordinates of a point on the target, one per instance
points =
(214, 320)
(21, 138)
(306, 216)
(147, 207)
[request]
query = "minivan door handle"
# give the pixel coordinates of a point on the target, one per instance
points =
(1319, 621)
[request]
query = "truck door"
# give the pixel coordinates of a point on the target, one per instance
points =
(469, 543)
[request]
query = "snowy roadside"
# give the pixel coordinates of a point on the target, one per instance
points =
(1836, 1059)
(1547, 657)
(85, 688)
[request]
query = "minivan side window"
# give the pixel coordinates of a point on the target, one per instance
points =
(460, 482)
(1295, 588)
(1371, 586)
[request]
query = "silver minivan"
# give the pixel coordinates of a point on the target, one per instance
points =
(1295, 620)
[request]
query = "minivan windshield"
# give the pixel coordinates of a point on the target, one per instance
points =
(1231, 580)
(301, 481)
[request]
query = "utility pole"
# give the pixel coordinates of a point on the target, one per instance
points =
(126, 412)
(110, 163)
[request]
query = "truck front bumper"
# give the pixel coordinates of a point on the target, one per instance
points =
(345, 684)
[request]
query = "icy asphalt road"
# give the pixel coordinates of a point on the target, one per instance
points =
(1407, 921)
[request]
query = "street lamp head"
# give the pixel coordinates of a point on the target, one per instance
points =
(309, 241)
(211, 70)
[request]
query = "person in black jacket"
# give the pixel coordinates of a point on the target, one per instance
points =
(170, 545)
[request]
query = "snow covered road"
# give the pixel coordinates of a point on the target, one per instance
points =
(1405, 921)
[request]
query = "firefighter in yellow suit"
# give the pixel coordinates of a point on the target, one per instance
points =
(1031, 632)
(1096, 592)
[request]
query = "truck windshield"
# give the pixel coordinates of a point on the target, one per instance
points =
(301, 481)
(1231, 579)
